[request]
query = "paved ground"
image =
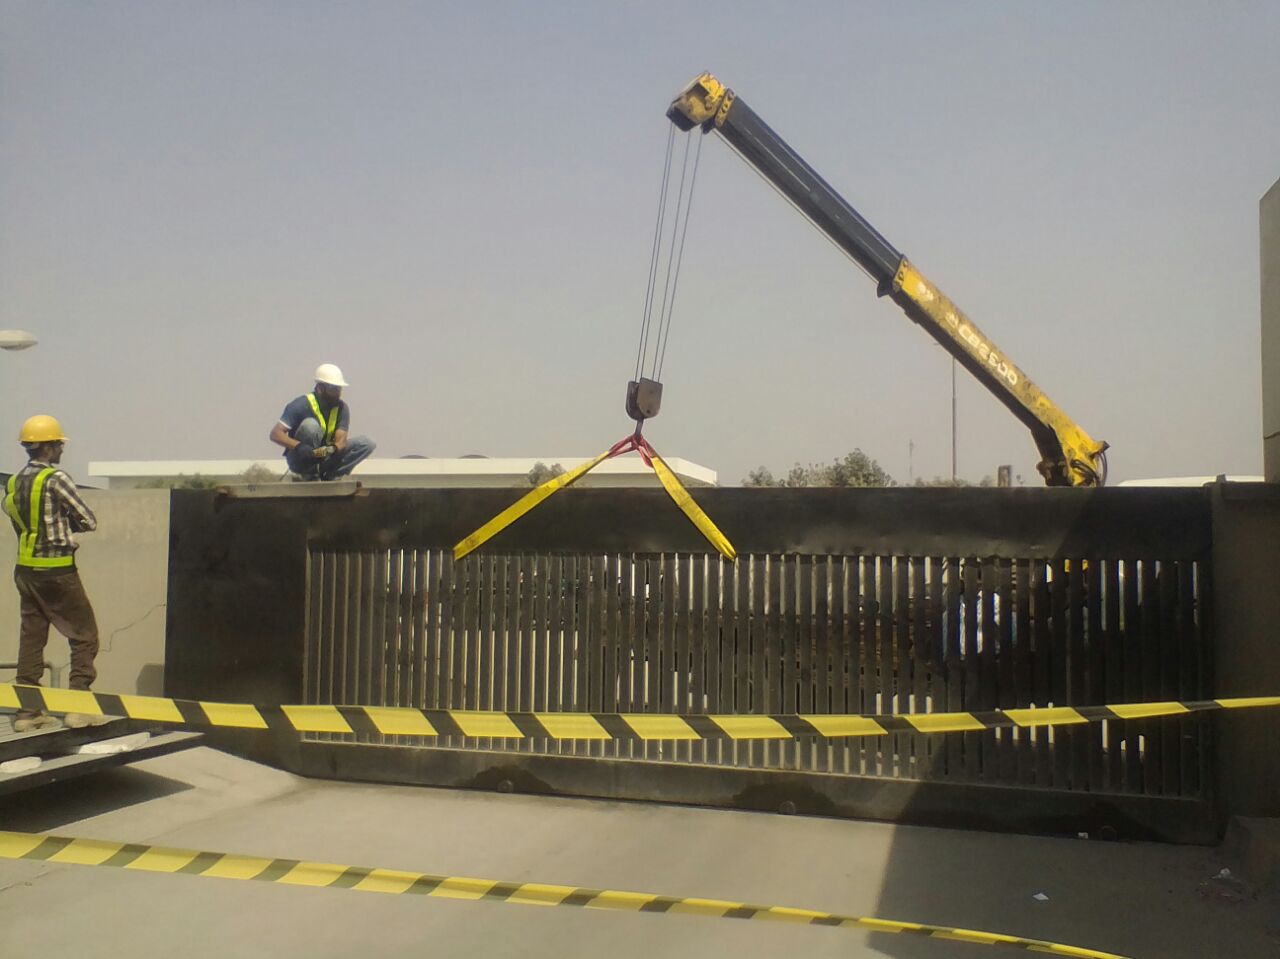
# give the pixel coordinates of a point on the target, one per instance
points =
(1134, 899)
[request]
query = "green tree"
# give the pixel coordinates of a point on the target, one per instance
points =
(854, 469)
(541, 472)
(195, 481)
(257, 474)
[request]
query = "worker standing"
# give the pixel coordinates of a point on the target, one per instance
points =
(313, 430)
(45, 509)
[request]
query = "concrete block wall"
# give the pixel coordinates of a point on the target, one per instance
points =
(124, 565)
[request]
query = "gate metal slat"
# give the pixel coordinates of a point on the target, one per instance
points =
(635, 586)
(1007, 694)
(699, 563)
(719, 676)
(684, 628)
(311, 660)
(955, 628)
(351, 631)
(1189, 730)
(379, 561)
(404, 630)
(508, 698)
(453, 582)
(921, 661)
(418, 629)
(1113, 690)
(902, 742)
(580, 638)
(1077, 737)
(614, 678)
(368, 594)
(528, 665)
(600, 644)
(1170, 651)
(988, 695)
(553, 638)
(462, 634)
(1095, 675)
(806, 600)
(742, 647)
(887, 746)
(1199, 617)
(482, 668)
(1135, 773)
(869, 663)
(1041, 615)
(822, 666)
(541, 650)
(971, 743)
(333, 622)
(781, 648)
(1023, 667)
(1149, 604)
(1060, 674)
(758, 631)
(842, 645)
(668, 669)
(433, 659)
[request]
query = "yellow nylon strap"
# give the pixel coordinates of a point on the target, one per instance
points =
(691, 509)
(329, 428)
(523, 505)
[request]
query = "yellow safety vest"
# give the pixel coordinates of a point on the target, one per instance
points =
(30, 531)
(329, 428)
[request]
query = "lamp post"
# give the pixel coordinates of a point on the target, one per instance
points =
(16, 340)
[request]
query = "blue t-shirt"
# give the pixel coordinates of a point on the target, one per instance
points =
(299, 411)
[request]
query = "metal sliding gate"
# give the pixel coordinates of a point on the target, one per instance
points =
(841, 601)
(690, 633)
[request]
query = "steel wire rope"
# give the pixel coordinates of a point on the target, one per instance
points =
(655, 253)
(664, 329)
(671, 249)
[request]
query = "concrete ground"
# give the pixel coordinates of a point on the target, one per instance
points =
(1140, 900)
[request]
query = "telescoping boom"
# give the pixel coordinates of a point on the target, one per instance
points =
(1069, 457)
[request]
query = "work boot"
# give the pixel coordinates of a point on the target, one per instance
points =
(31, 724)
(81, 720)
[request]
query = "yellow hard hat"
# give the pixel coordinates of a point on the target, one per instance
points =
(41, 429)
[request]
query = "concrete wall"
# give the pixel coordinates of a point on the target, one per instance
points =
(1270, 241)
(124, 566)
(1246, 610)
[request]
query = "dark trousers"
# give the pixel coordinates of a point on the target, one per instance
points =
(55, 598)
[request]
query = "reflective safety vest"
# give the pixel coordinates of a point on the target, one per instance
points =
(329, 428)
(30, 530)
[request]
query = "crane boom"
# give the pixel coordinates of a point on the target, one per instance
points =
(1069, 457)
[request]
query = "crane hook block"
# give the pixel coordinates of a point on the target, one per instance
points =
(644, 399)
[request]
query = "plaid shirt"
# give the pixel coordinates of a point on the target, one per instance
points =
(63, 511)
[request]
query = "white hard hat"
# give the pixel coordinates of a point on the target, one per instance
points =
(328, 373)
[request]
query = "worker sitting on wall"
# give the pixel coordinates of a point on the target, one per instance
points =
(313, 431)
(46, 510)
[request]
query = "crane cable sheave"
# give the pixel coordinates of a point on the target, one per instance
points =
(704, 101)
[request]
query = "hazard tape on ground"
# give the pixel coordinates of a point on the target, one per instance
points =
(404, 721)
(294, 872)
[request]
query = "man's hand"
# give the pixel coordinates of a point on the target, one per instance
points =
(323, 452)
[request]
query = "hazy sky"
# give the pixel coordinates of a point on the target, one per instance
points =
(199, 202)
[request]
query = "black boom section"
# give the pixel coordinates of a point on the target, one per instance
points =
(783, 167)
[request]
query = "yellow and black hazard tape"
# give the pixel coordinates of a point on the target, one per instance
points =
(405, 721)
(145, 858)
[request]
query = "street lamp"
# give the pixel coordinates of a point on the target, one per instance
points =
(16, 340)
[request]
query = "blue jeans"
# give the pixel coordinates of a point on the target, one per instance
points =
(339, 464)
